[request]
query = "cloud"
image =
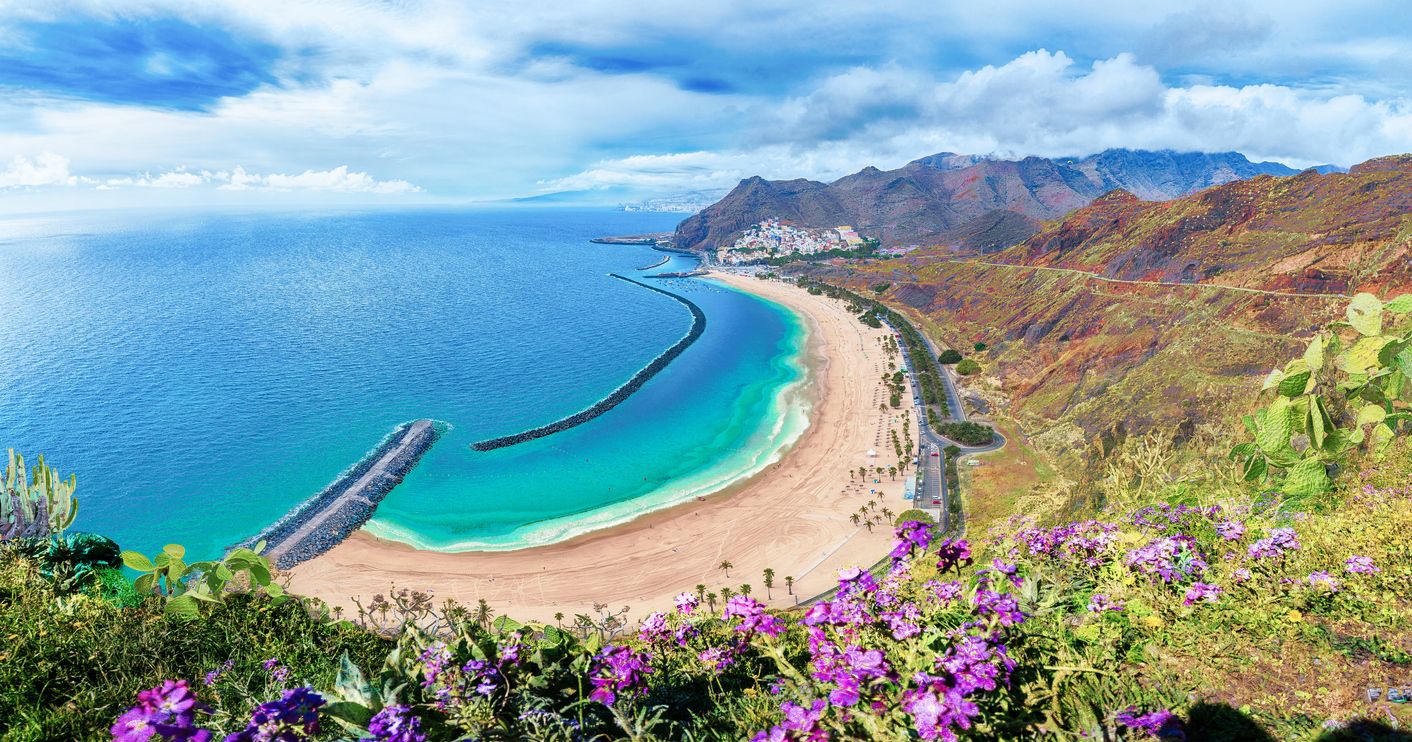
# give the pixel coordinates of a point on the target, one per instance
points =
(48, 169)
(337, 180)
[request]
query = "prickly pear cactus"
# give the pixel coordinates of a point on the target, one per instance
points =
(35, 506)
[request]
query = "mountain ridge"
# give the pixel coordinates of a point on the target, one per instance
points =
(955, 200)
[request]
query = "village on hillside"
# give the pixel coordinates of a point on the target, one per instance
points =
(773, 238)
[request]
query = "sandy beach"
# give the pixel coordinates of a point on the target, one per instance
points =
(794, 517)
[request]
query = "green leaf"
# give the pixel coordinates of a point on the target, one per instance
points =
(183, 608)
(1294, 384)
(1314, 354)
(1365, 314)
(1306, 479)
(176, 550)
(1275, 427)
(1362, 356)
(1370, 414)
(201, 594)
(505, 624)
(260, 573)
(1382, 439)
(1240, 451)
(352, 684)
(350, 714)
(1402, 304)
(144, 584)
(274, 589)
(1272, 379)
(1315, 425)
(134, 560)
(1255, 469)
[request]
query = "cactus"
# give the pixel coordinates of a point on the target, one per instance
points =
(37, 506)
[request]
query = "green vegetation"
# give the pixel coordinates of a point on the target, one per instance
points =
(968, 367)
(881, 288)
(979, 347)
(949, 356)
(868, 249)
(920, 516)
(967, 433)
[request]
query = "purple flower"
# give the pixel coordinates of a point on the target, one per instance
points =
(1168, 558)
(1156, 723)
(395, 724)
(804, 720)
(1100, 602)
(1241, 574)
(1280, 541)
(936, 710)
(687, 603)
(214, 675)
(753, 616)
(1231, 530)
(1086, 541)
(953, 554)
(294, 717)
(1201, 591)
(166, 712)
(944, 592)
(618, 669)
(1001, 605)
(1325, 580)
(912, 536)
(718, 658)
(1361, 565)
(277, 671)
(654, 628)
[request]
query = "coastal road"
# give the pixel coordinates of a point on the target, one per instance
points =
(932, 488)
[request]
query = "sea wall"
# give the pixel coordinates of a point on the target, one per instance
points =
(657, 264)
(321, 522)
(698, 326)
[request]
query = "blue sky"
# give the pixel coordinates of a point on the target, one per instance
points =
(397, 101)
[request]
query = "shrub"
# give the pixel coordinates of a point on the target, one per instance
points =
(966, 433)
(979, 347)
(968, 367)
(921, 516)
(949, 356)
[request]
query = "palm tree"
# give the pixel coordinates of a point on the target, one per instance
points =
(483, 614)
(869, 524)
(726, 593)
(700, 592)
(726, 566)
(745, 589)
(711, 601)
(892, 472)
(855, 518)
(769, 583)
(887, 514)
(559, 619)
(789, 584)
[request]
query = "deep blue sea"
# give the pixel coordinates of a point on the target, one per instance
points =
(203, 374)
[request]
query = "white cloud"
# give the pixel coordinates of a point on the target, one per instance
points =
(48, 169)
(337, 180)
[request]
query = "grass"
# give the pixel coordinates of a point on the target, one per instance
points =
(69, 665)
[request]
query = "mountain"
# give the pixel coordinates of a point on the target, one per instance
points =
(974, 203)
(1130, 316)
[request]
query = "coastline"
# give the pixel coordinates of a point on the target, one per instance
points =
(793, 516)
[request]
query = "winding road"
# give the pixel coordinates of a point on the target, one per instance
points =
(932, 491)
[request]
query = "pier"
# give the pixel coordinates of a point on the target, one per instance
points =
(658, 264)
(324, 520)
(698, 326)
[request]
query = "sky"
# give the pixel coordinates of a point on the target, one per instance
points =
(276, 102)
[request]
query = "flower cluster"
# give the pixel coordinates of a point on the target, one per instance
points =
(687, 603)
(1277, 544)
(1099, 602)
(1160, 723)
(1361, 565)
(295, 716)
(1087, 542)
(1201, 591)
(455, 686)
(167, 712)
(1174, 519)
(214, 675)
(1168, 558)
(1324, 580)
(395, 724)
(752, 615)
(912, 536)
(617, 670)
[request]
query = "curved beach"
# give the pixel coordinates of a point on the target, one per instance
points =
(793, 517)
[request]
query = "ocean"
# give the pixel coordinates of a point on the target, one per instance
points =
(202, 374)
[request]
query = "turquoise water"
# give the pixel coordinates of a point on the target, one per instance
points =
(204, 374)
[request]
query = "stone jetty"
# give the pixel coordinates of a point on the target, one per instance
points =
(698, 326)
(325, 519)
